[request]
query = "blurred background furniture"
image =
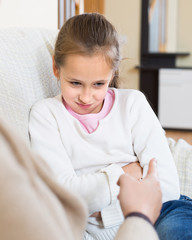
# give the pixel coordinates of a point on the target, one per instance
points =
(158, 54)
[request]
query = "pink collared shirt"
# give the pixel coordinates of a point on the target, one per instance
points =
(90, 122)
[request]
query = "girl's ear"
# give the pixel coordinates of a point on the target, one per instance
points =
(55, 69)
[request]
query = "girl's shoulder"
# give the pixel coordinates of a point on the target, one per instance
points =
(128, 94)
(47, 103)
(129, 99)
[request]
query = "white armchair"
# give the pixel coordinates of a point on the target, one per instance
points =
(26, 77)
(25, 73)
(182, 154)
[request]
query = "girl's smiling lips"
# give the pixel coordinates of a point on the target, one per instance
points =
(84, 106)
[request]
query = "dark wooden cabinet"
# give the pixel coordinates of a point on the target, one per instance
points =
(150, 63)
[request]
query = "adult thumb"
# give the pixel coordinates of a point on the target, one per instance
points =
(152, 170)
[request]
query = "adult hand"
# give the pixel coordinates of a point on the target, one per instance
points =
(134, 169)
(144, 197)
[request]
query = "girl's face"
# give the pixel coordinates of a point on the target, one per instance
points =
(84, 82)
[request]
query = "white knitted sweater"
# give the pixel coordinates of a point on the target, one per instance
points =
(90, 164)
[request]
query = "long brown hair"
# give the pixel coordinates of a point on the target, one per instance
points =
(88, 34)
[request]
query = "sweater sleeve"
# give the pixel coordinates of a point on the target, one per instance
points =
(46, 141)
(149, 142)
(112, 215)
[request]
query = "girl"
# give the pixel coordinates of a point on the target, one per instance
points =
(93, 132)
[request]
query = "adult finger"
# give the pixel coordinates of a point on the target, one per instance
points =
(124, 178)
(119, 182)
(152, 170)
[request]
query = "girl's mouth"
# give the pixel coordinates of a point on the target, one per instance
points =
(84, 106)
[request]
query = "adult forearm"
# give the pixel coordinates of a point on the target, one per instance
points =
(136, 228)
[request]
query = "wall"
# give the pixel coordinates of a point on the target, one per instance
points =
(29, 13)
(184, 32)
(125, 16)
(172, 25)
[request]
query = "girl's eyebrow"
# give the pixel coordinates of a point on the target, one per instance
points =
(78, 80)
(103, 81)
(72, 79)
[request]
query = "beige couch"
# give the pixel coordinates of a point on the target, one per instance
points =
(26, 76)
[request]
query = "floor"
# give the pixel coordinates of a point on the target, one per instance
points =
(186, 135)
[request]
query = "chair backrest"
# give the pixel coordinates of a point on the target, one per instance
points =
(25, 73)
(182, 154)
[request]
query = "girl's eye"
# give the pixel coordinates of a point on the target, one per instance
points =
(75, 83)
(99, 84)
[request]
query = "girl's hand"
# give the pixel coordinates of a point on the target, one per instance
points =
(96, 214)
(134, 169)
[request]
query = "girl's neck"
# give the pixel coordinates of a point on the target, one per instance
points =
(91, 121)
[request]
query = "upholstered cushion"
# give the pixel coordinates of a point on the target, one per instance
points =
(25, 73)
(182, 153)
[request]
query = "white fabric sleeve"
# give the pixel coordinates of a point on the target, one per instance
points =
(46, 141)
(113, 172)
(112, 215)
(149, 142)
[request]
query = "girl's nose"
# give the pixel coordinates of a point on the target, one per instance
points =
(85, 96)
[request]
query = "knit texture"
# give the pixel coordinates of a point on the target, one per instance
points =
(25, 73)
(182, 154)
(90, 164)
